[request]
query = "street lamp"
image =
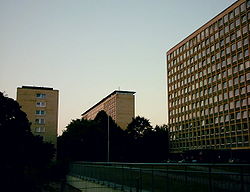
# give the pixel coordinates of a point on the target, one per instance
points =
(108, 140)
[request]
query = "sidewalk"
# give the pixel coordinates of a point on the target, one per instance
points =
(87, 186)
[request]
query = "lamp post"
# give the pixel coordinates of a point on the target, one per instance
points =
(108, 140)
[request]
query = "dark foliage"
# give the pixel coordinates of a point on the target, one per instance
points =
(86, 140)
(25, 158)
(147, 144)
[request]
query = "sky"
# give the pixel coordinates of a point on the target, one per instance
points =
(86, 49)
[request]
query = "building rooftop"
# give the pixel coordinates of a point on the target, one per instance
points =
(34, 87)
(113, 93)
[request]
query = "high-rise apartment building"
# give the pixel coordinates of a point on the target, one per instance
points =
(41, 106)
(120, 105)
(209, 84)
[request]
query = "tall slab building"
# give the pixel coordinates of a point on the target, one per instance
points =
(208, 77)
(120, 105)
(41, 106)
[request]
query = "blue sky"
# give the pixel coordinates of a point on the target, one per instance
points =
(88, 48)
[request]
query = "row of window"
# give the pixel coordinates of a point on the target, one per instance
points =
(215, 52)
(191, 126)
(224, 44)
(228, 143)
(199, 135)
(184, 137)
(209, 86)
(212, 111)
(208, 92)
(208, 134)
(206, 97)
(213, 72)
(207, 68)
(209, 111)
(213, 28)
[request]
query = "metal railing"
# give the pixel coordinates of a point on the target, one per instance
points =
(155, 177)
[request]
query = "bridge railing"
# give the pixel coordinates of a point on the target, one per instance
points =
(170, 177)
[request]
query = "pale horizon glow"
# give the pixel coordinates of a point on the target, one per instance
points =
(86, 49)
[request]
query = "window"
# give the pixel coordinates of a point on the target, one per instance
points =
(229, 61)
(231, 94)
(215, 98)
(237, 22)
(230, 83)
(244, 115)
(236, 81)
(235, 69)
(238, 115)
(243, 18)
(241, 67)
(242, 78)
(234, 58)
(224, 85)
(244, 30)
(246, 53)
(232, 36)
(245, 41)
(221, 108)
(40, 112)
(232, 26)
(239, 44)
(244, 102)
(247, 64)
(213, 58)
(40, 129)
(40, 121)
(41, 104)
(226, 107)
(231, 105)
(40, 95)
(225, 96)
(221, 119)
(236, 92)
(224, 74)
(231, 15)
(248, 76)
(237, 104)
(216, 120)
(238, 33)
(240, 56)
(243, 90)
(233, 46)
(214, 88)
(248, 88)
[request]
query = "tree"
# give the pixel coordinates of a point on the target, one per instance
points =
(138, 126)
(156, 144)
(135, 131)
(24, 156)
(86, 140)
(82, 140)
(145, 142)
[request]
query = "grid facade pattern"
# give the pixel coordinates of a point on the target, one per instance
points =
(119, 105)
(209, 84)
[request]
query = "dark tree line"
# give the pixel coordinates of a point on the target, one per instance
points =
(24, 158)
(87, 140)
